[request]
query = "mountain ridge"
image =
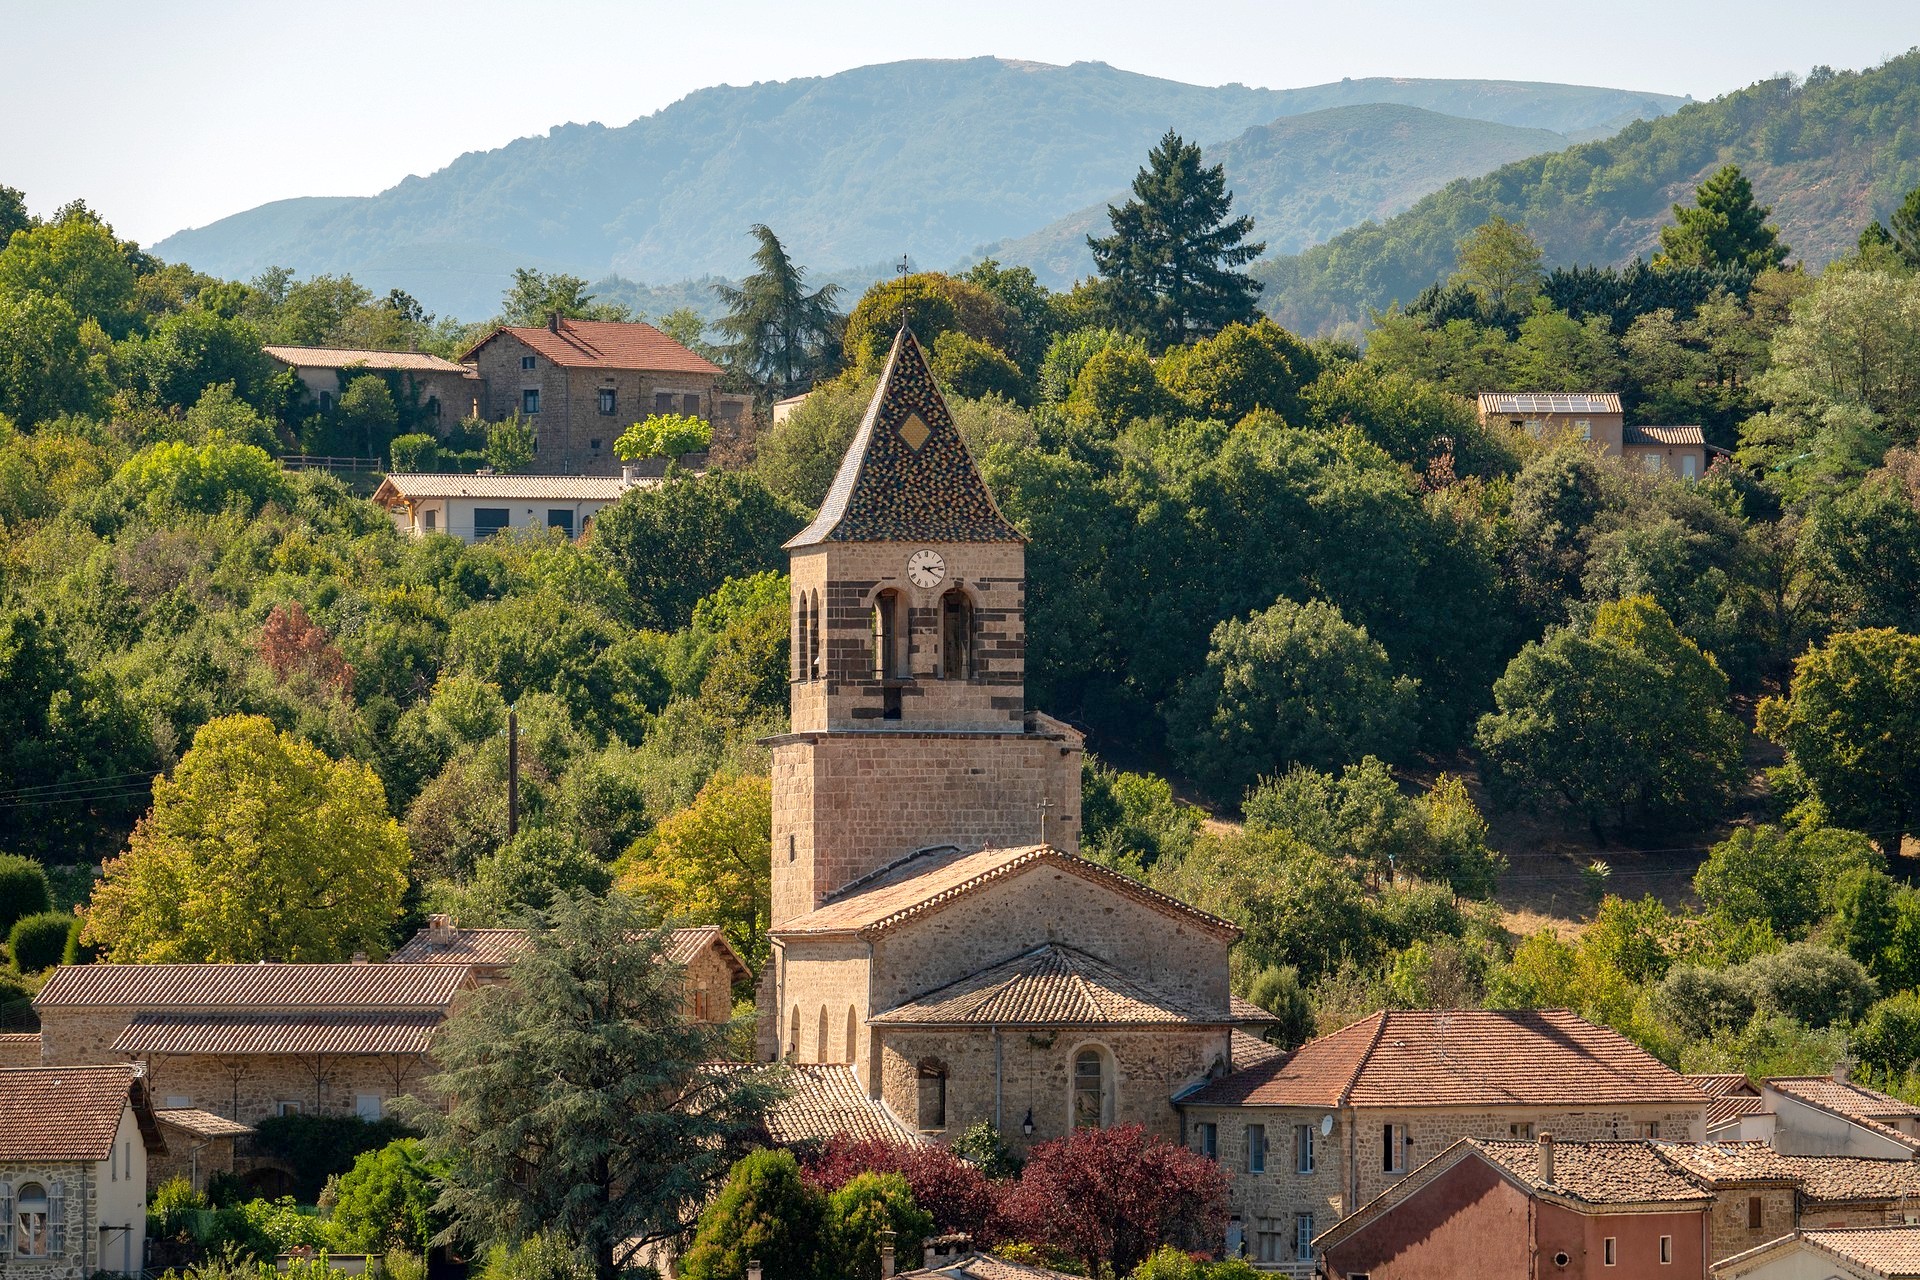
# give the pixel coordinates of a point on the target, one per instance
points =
(933, 159)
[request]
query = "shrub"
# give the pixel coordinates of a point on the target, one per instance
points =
(38, 941)
(860, 1211)
(176, 1211)
(415, 451)
(264, 1228)
(386, 1200)
(318, 1147)
(23, 889)
(766, 1212)
(664, 435)
(543, 1257)
(956, 1193)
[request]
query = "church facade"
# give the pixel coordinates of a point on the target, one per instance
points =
(933, 925)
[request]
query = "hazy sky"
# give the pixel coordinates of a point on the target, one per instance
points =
(166, 114)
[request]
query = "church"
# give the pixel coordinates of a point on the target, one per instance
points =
(934, 929)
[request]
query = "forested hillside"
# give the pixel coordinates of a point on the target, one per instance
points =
(1829, 154)
(931, 159)
(1304, 178)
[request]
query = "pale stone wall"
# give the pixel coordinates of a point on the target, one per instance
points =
(20, 1050)
(187, 1158)
(1041, 904)
(250, 1090)
(1356, 1141)
(821, 981)
(1147, 1066)
(709, 987)
(80, 1036)
(79, 1259)
(1728, 1232)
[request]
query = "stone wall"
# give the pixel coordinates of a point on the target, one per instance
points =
(821, 982)
(1727, 1221)
(250, 1090)
(709, 986)
(194, 1158)
(1146, 1067)
(80, 1036)
(79, 1258)
(20, 1050)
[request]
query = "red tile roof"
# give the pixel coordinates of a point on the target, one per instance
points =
(201, 1124)
(1463, 1057)
(503, 946)
(266, 1034)
(1629, 1172)
(345, 357)
(1052, 985)
(273, 987)
(1671, 437)
(606, 344)
(1823, 1180)
(1847, 1098)
(1892, 1253)
(820, 1101)
(1729, 1107)
(62, 1113)
(1716, 1083)
(930, 879)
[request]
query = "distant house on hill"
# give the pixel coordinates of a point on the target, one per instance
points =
(474, 507)
(1598, 417)
(447, 392)
(582, 382)
(74, 1146)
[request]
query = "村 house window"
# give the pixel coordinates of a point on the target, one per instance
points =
(326, 402)
(1303, 1237)
(663, 402)
(1256, 1148)
(1666, 1250)
(1269, 1241)
(286, 1108)
(933, 1094)
(1689, 467)
(1583, 427)
(956, 636)
(1090, 1079)
(1653, 462)
(32, 1236)
(1303, 1148)
(690, 405)
(433, 406)
(1609, 1253)
(433, 519)
(1521, 1130)
(527, 362)
(608, 398)
(1753, 1213)
(367, 1106)
(1646, 1129)
(1393, 1148)
(560, 518)
(530, 400)
(890, 637)
(488, 521)
(1206, 1139)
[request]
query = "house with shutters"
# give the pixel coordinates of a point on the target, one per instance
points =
(74, 1147)
(582, 382)
(1314, 1133)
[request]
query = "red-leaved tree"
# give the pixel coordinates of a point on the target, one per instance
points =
(292, 644)
(959, 1196)
(1116, 1195)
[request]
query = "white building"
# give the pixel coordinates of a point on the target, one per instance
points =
(471, 507)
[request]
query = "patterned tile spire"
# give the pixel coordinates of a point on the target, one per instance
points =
(907, 477)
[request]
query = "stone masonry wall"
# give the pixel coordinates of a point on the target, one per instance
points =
(1727, 1220)
(79, 1259)
(1146, 1068)
(709, 987)
(847, 804)
(1044, 904)
(254, 1088)
(79, 1037)
(821, 982)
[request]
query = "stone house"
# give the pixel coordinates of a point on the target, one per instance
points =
(713, 967)
(474, 507)
(199, 1145)
(74, 1147)
(582, 382)
(1519, 1210)
(444, 392)
(1598, 417)
(934, 931)
(1867, 1253)
(246, 1042)
(1314, 1133)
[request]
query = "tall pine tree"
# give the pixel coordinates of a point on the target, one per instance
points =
(1725, 228)
(1168, 267)
(783, 337)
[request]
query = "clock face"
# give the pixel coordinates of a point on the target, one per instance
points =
(926, 569)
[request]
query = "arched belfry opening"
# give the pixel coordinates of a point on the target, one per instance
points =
(956, 635)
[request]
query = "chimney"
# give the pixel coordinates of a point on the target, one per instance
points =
(439, 929)
(938, 1251)
(553, 320)
(360, 957)
(628, 474)
(1546, 1159)
(753, 1269)
(886, 1256)
(1841, 1070)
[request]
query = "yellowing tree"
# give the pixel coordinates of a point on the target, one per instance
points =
(259, 847)
(712, 863)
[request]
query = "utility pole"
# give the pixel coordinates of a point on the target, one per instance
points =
(513, 773)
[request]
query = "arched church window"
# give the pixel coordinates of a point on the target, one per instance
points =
(813, 651)
(956, 636)
(933, 1093)
(793, 1035)
(853, 1034)
(890, 637)
(820, 1053)
(800, 639)
(1092, 1090)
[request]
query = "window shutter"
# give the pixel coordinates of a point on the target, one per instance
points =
(56, 1218)
(6, 1217)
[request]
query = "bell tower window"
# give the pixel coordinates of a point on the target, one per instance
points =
(890, 637)
(956, 636)
(813, 638)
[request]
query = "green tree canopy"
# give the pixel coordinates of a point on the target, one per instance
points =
(766, 1213)
(510, 448)
(1242, 368)
(664, 435)
(1724, 228)
(77, 259)
(1850, 722)
(386, 1201)
(1499, 263)
(529, 303)
(1784, 876)
(782, 336)
(1170, 262)
(931, 303)
(580, 1099)
(257, 848)
(711, 863)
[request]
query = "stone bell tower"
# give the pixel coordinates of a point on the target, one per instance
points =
(910, 725)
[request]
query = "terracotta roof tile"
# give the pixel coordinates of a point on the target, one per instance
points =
(1669, 436)
(344, 357)
(416, 486)
(239, 986)
(982, 1266)
(1716, 1083)
(1464, 1057)
(1052, 985)
(1843, 1096)
(930, 879)
(1729, 1107)
(201, 1124)
(907, 476)
(62, 1113)
(606, 344)
(1251, 1050)
(266, 1033)
(1822, 1179)
(823, 1100)
(1890, 1251)
(1629, 1172)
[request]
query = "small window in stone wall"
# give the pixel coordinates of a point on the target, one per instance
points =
(608, 400)
(663, 402)
(527, 362)
(1753, 1213)
(690, 405)
(1091, 1107)
(932, 1082)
